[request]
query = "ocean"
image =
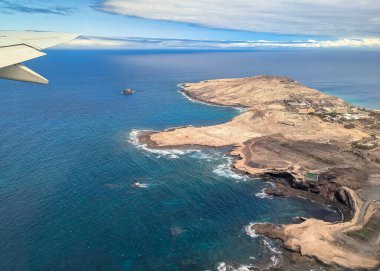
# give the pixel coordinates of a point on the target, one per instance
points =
(69, 159)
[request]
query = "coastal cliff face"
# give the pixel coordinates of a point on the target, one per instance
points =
(310, 142)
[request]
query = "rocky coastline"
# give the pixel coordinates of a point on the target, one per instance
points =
(311, 145)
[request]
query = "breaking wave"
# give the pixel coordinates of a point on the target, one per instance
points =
(271, 248)
(222, 266)
(169, 153)
(249, 231)
(225, 170)
(263, 195)
(275, 258)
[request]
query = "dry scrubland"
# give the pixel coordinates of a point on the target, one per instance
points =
(311, 142)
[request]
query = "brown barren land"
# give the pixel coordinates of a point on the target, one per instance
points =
(308, 141)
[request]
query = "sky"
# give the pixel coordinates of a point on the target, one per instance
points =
(216, 24)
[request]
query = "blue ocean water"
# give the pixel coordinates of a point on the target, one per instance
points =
(68, 160)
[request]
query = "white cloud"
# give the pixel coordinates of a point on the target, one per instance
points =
(152, 43)
(94, 43)
(341, 18)
(348, 43)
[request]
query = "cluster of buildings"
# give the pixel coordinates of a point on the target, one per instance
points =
(327, 110)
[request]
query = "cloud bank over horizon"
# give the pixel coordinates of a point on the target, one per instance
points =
(336, 18)
(93, 42)
(201, 24)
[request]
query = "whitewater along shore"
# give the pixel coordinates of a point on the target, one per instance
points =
(309, 143)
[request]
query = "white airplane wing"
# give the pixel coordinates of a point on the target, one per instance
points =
(19, 46)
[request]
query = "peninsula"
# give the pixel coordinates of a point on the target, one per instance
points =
(310, 144)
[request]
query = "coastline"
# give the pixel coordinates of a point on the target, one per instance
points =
(282, 186)
(289, 176)
(194, 99)
(144, 138)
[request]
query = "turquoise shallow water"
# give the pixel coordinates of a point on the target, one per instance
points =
(68, 161)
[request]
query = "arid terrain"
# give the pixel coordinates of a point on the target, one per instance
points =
(309, 142)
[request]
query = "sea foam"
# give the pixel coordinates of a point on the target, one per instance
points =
(169, 153)
(222, 266)
(262, 194)
(275, 258)
(249, 231)
(225, 170)
(275, 254)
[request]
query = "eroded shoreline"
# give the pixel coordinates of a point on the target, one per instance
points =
(283, 183)
(294, 133)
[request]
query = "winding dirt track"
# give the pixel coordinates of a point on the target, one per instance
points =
(272, 137)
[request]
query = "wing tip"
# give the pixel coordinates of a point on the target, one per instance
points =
(20, 72)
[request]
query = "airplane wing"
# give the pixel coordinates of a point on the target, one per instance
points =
(19, 46)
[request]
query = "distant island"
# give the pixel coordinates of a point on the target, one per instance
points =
(127, 91)
(312, 145)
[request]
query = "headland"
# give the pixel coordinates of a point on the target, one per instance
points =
(310, 144)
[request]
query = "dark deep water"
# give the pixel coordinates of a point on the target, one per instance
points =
(68, 160)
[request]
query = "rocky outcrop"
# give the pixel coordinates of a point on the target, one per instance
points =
(327, 241)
